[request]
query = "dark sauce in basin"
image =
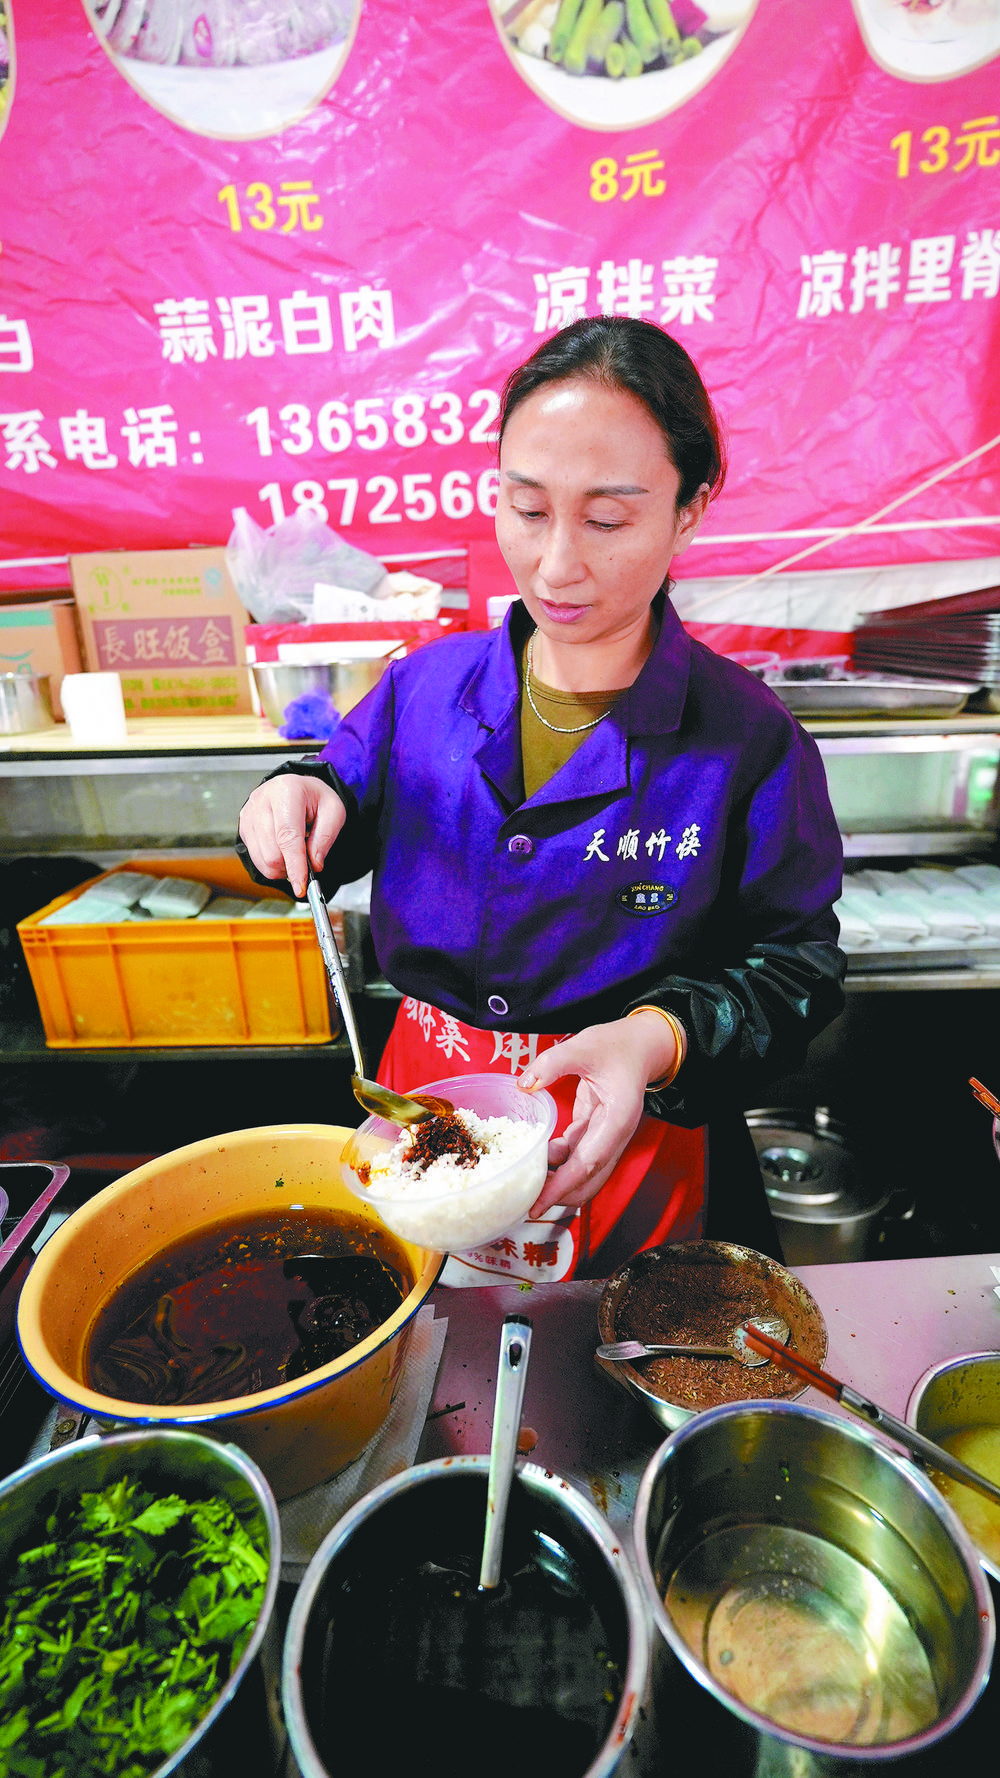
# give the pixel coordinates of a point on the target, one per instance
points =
(234, 1309)
(518, 1679)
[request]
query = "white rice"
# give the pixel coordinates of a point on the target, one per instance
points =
(449, 1206)
(505, 1139)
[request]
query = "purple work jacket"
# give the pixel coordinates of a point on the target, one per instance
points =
(687, 855)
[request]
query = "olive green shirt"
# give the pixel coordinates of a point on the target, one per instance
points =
(572, 714)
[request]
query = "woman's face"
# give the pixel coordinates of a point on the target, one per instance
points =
(586, 512)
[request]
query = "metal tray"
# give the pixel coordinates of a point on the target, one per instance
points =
(872, 961)
(847, 693)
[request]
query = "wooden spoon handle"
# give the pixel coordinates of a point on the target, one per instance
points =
(985, 1097)
(791, 1361)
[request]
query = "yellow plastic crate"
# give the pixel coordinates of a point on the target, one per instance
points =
(158, 984)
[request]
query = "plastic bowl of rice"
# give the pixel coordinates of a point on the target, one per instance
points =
(460, 1181)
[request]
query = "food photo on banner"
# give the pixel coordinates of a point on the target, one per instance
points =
(280, 258)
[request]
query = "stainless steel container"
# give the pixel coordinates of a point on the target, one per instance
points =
(827, 1609)
(243, 1731)
(773, 1289)
(344, 682)
(25, 703)
(960, 1395)
(824, 1210)
(441, 1506)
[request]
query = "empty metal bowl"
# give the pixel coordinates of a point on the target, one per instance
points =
(343, 682)
(811, 1590)
(25, 703)
(957, 1403)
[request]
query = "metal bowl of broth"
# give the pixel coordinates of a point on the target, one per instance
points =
(392, 1646)
(957, 1404)
(130, 1311)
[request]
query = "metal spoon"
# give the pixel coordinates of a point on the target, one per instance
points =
(515, 1345)
(627, 1350)
(396, 1108)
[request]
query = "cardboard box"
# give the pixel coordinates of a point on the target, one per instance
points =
(171, 623)
(41, 639)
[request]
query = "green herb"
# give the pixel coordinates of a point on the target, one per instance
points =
(121, 1625)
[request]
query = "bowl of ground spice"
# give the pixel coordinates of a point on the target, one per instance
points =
(696, 1293)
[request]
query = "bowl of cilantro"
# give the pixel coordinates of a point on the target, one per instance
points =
(138, 1580)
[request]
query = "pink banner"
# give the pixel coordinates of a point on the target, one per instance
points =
(271, 255)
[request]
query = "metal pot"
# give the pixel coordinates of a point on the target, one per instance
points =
(243, 1731)
(824, 1209)
(440, 1508)
(826, 1607)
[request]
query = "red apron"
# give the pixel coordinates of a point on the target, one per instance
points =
(656, 1192)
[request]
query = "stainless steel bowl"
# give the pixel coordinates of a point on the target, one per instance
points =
(439, 1508)
(243, 1731)
(649, 1379)
(962, 1395)
(344, 682)
(25, 703)
(822, 1595)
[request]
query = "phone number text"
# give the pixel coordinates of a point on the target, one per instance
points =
(373, 422)
(416, 497)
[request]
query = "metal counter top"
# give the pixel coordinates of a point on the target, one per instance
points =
(888, 1321)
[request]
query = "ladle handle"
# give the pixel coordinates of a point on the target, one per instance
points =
(334, 967)
(515, 1345)
(933, 1455)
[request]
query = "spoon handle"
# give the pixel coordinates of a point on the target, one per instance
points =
(334, 967)
(515, 1345)
(629, 1349)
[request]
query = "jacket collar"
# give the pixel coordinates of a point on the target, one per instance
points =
(653, 705)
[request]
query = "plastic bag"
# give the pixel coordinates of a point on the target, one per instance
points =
(275, 570)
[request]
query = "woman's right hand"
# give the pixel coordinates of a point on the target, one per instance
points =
(281, 816)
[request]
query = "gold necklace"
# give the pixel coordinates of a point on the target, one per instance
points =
(556, 730)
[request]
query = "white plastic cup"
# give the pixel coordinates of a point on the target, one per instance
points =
(94, 708)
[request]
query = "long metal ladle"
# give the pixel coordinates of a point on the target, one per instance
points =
(396, 1108)
(933, 1455)
(624, 1351)
(515, 1345)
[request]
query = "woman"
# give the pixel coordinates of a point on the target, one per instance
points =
(604, 857)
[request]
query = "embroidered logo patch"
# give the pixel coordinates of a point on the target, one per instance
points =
(646, 898)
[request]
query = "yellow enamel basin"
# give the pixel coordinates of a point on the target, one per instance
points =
(300, 1433)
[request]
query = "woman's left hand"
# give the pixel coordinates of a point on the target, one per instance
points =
(614, 1062)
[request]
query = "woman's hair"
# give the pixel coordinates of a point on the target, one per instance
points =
(638, 357)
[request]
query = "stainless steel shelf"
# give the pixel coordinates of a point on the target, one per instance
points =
(871, 981)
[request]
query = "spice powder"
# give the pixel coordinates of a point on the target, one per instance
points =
(700, 1303)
